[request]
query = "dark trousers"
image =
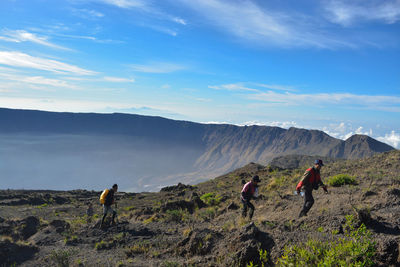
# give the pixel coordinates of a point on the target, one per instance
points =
(308, 202)
(246, 205)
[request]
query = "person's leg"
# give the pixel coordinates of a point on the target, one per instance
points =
(251, 212)
(308, 203)
(114, 213)
(105, 211)
(244, 209)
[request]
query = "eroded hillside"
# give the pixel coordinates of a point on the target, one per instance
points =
(201, 225)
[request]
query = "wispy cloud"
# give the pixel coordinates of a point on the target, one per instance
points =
(147, 7)
(179, 20)
(286, 95)
(389, 103)
(37, 80)
(251, 22)
(118, 79)
(233, 87)
(163, 29)
(253, 87)
(87, 13)
(157, 67)
(18, 59)
(19, 36)
(128, 3)
(90, 38)
(58, 104)
(347, 13)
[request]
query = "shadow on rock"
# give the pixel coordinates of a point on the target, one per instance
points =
(383, 227)
(11, 253)
(388, 251)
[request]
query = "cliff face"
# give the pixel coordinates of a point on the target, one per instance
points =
(88, 149)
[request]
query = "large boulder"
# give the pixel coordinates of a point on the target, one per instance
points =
(60, 225)
(247, 244)
(29, 227)
(176, 188)
(198, 242)
(178, 205)
(11, 253)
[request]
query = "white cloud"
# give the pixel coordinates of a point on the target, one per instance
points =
(345, 130)
(347, 13)
(18, 59)
(127, 3)
(118, 79)
(360, 130)
(284, 124)
(19, 36)
(146, 6)
(37, 80)
(233, 87)
(179, 20)
(91, 38)
(163, 29)
(392, 139)
(289, 97)
(157, 67)
(252, 22)
(372, 102)
(281, 124)
(62, 105)
(87, 13)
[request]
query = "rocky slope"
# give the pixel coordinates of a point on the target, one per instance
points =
(143, 152)
(201, 225)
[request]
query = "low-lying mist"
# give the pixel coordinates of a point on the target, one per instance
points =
(93, 162)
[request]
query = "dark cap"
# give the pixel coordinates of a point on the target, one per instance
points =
(319, 162)
(256, 179)
(114, 186)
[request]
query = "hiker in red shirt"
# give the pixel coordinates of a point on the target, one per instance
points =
(311, 180)
(249, 191)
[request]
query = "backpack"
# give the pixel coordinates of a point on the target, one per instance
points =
(103, 196)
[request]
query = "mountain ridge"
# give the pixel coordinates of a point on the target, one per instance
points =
(145, 150)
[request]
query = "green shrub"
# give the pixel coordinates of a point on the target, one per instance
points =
(176, 215)
(341, 179)
(140, 248)
(356, 248)
(104, 245)
(207, 214)
(211, 199)
(61, 257)
(263, 259)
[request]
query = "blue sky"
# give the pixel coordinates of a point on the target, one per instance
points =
(332, 65)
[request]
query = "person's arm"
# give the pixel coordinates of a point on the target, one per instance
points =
(320, 183)
(323, 186)
(303, 180)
